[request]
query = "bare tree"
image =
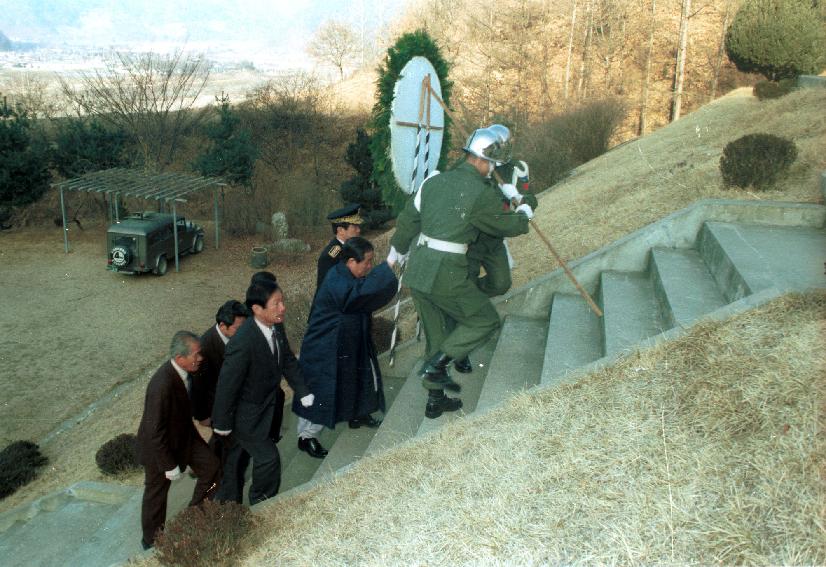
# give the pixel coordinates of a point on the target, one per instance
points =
(570, 59)
(585, 63)
(682, 50)
(38, 94)
(149, 96)
(334, 43)
(646, 81)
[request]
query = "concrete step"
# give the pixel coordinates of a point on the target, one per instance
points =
(684, 286)
(54, 527)
(517, 360)
(352, 443)
(746, 258)
(116, 540)
(302, 466)
(471, 387)
(405, 415)
(631, 313)
(574, 337)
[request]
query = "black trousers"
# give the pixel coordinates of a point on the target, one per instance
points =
(156, 488)
(235, 459)
(266, 468)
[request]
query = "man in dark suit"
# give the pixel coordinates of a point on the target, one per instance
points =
(167, 439)
(229, 318)
(246, 396)
(346, 223)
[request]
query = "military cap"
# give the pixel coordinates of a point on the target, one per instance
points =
(348, 213)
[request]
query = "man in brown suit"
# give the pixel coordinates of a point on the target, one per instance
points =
(167, 439)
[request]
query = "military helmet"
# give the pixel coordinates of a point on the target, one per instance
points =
(487, 144)
(502, 131)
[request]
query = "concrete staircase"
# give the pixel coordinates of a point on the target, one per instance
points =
(710, 260)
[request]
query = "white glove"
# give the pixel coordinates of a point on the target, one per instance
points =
(174, 474)
(307, 400)
(222, 432)
(394, 258)
(510, 192)
(526, 209)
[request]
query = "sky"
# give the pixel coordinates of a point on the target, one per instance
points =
(264, 28)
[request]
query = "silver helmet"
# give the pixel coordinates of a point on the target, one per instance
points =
(487, 144)
(502, 131)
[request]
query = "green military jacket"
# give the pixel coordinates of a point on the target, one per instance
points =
(456, 206)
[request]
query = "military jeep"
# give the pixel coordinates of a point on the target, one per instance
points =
(145, 242)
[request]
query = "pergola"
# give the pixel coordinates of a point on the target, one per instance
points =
(119, 182)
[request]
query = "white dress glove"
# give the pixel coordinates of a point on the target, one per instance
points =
(307, 400)
(222, 432)
(174, 474)
(510, 192)
(526, 209)
(394, 258)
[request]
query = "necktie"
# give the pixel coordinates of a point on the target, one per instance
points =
(188, 384)
(276, 350)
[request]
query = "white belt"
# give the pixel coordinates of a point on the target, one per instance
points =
(442, 245)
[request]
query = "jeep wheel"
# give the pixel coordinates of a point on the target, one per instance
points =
(160, 269)
(198, 246)
(121, 256)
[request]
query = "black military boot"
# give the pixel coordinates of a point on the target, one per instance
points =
(435, 375)
(438, 403)
(463, 365)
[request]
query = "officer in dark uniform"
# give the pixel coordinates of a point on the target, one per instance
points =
(346, 223)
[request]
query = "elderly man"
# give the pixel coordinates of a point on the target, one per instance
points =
(448, 213)
(346, 223)
(168, 442)
(338, 358)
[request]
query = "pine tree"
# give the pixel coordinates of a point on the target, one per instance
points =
(82, 146)
(361, 188)
(777, 38)
(231, 154)
(24, 163)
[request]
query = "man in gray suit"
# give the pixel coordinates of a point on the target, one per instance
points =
(247, 392)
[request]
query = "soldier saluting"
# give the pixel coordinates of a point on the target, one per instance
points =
(346, 223)
(448, 213)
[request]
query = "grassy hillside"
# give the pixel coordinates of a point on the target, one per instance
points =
(707, 449)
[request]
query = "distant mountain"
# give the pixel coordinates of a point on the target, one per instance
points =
(5, 43)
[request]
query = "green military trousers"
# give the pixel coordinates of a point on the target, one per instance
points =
(489, 252)
(455, 325)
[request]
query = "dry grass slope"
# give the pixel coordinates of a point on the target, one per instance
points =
(706, 450)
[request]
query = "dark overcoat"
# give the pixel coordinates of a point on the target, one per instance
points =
(338, 358)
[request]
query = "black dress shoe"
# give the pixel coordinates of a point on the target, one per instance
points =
(312, 447)
(365, 420)
(463, 365)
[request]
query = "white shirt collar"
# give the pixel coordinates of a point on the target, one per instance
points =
(266, 329)
(224, 338)
(181, 372)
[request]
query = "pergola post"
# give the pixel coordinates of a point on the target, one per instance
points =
(217, 222)
(175, 234)
(65, 229)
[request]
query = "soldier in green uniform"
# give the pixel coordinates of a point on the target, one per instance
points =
(449, 212)
(488, 251)
(346, 223)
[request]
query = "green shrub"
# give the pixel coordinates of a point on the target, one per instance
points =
(756, 160)
(361, 188)
(777, 38)
(24, 159)
(118, 455)
(764, 90)
(207, 534)
(19, 462)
